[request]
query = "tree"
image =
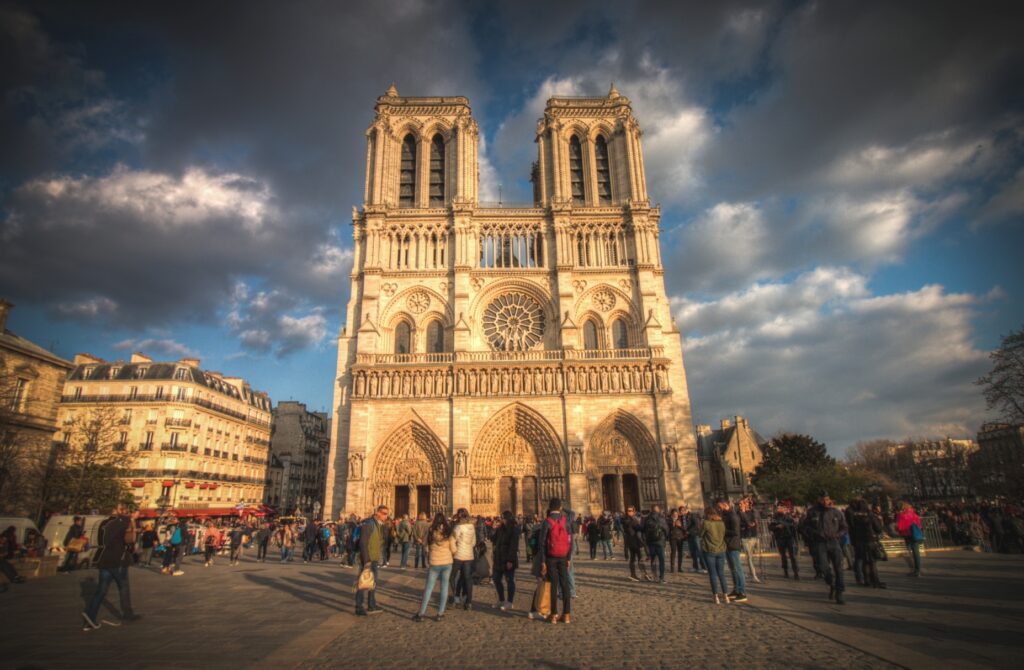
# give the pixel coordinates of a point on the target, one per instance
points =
(787, 452)
(15, 452)
(86, 472)
(1003, 387)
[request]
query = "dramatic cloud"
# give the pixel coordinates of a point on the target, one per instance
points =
(152, 346)
(822, 355)
(267, 321)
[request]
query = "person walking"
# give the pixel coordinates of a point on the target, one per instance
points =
(441, 545)
(733, 544)
(211, 539)
(262, 542)
(749, 519)
(114, 556)
(713, 548)
(554, 544)
(150, 540)
(865, 528)
(404, 536)
(784, 531)
(286, 541)
(235, 537)
(676, 538)
(908, 525)
(506, 559)
(593, 533)
(420, 535)
(372, 536)
(462, 565)
(656, 532)
(691, 525)
(176, 536)
(826, 526)
(632, 537)
(606, 524)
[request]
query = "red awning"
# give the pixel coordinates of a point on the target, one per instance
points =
(138, 483)
(204, 486)
(168, 483)
(213, 486)
(190, 485)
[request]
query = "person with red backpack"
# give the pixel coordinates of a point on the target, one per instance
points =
(554, 547)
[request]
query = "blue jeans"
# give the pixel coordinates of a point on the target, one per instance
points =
(606, 548)
(716, 571)
(368, 595)
(445, 573)
(739, 580)
(421, 555)
(405, 555)
(915, 551)
(286, 554)
(657, 551)
(120, 577)
(696, 553)
(503, 577)
(830, 560)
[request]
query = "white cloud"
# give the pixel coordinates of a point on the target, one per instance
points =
(823, 355)
(157, 346)
(274, 321)
(87, 309)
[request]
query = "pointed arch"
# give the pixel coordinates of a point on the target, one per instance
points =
(407, 172)
(576, 188)
(436, 191)
(517, 442)
(603, 171)
(621, 447)
(411, 455)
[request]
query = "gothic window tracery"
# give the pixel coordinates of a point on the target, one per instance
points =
(576, 170)
(437, 193)
(604, 180)
(516, 245)
(513, 322)
(407, 173)
(435, 337)
(620, 334)
(416, 247)
(600, 244)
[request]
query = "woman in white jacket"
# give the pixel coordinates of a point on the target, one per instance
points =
(462, 566)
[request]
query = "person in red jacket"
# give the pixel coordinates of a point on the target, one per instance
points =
(908, 525)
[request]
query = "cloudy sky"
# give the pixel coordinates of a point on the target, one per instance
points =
(842, 183)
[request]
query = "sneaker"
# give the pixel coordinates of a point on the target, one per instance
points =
(458, 600)
(566, 618)
(439, 617)
(500, 605)
(553, 618)
(718, 600)
(467, 606)
(661, 581)
(633, 579)
(417, 617)
(375, 610)
(741, 598)
(177, 573)
(703, 571)
(89, 623)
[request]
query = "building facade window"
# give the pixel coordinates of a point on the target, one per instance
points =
(403, 338)
(437, 194)
(407, 173)
(589, 335)
(620, 334)
(604, 179)
(18, 396)
(576, 170)
(435, 338)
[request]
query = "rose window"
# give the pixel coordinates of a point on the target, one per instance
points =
(513, 322)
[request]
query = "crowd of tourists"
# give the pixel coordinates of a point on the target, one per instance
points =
(462, 554)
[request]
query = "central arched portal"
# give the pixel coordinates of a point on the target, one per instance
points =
(517, 464)
(410, 473)
(625, 469)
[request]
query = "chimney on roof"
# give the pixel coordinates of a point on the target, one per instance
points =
(191, 362)
(5, 309)
(87, 359)
(139, 357)
(726, 424)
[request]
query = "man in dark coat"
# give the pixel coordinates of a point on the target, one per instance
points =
(506, 559)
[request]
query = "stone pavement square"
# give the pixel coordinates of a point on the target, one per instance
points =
(967, 611)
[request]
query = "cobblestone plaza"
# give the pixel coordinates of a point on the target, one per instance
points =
(968, 611)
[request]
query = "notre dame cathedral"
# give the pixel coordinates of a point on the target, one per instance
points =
(497, 356)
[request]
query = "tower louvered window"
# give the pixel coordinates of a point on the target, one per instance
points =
(604, 180)
(437, 172)
(407, 174)
(576, 170)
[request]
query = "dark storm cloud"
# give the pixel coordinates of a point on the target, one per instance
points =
(250, 127)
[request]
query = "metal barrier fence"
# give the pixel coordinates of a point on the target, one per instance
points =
(933, 536)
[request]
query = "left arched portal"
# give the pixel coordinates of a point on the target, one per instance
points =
(410, 472)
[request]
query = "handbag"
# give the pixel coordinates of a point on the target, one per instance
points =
(366, 582)
(878, 551)
(76, 545)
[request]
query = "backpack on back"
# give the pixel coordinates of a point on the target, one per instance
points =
(558, 539)
(653, 532)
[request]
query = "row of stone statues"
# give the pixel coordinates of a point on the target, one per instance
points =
(507, 380)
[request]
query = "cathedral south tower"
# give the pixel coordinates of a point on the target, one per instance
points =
(494, 357)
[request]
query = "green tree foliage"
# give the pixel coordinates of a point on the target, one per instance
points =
(787, 452)
(1003, 386)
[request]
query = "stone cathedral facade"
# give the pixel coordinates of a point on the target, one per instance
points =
(497, 356)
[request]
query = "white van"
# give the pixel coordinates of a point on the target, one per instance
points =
(57, 528)
(21, 526)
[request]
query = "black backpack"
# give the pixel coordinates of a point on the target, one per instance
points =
(653, 531)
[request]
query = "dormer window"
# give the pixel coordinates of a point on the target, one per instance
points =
(114, 372)
(181, 374)
(140, 372)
